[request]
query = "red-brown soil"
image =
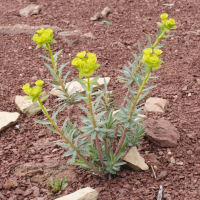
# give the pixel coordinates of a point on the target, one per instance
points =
(113, 45)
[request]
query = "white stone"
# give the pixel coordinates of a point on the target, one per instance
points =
(31, 9)
(140, 118)
(7, 119)
(83, 194)
(79, 88)
(25, 105)
(135, 160)
(172, 160)
(154, 104)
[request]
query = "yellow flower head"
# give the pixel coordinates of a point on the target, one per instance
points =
(81, 54)
(36, 91)
(164, 16)
(92, 60)
(172, 22)
(169, 23)
(76, 61)
(91, 55)
(147, 51)
(45, 36)
(40, 31)
(86, 66)
(158, 51)
(146, 57)
(39, 82)
(154, 59)
(27, 88)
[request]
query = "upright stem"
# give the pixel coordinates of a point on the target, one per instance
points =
(137, 97)
(94, 123)
(52, 58)
(131, 113)
(55, 69)
(158, 39)
(124, 104)
(68, 141)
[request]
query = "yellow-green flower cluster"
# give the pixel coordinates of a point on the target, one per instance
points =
(45, 37)
(168, 23)
(86, 66)
(35, 91)
(152, 60)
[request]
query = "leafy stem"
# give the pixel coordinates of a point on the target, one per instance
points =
(55, 69)
(159, 38)
(68, 141)
(94, 122)
(131, 113)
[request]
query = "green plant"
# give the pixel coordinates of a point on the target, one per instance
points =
(58, 186)
(100, 145)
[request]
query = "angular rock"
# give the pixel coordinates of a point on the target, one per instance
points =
(96, 17)
(78, 86)
(151, 159)
(70, 37)
(26, 29)
(83, 194)
(154, 104)
(31, 9)
(7, 119)
(36, 191)
(10, 184)
(105, 11)
(162, 175)
(25, 105)
(28, 192)
(41, 172)
(198, 81)
(161, 132)
(135, 160)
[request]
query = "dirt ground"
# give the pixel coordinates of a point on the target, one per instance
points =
(113, 45)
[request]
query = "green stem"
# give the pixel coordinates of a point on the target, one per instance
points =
(68, 141)
(131, 113)
(158, 39)
(52, 58)
(138, 94)
(94, 122)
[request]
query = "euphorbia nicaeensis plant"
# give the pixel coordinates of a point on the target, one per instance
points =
(100, 145)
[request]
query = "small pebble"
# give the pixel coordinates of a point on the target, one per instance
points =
(172, 160)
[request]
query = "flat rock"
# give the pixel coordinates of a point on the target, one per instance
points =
(161, 132)
(79, 88)
(70, 37)
(135, 160)
(7, 119)
(31, 9)
(154, 104)
(26, 29)
(41, 172)
(83, 194)
(25, 105)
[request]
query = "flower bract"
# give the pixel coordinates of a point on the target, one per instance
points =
(45, 37)
(86, 66)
